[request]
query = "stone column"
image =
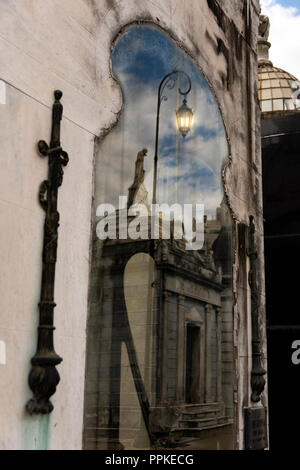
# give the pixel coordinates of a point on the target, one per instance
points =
(180, 350)
(208, 315)
(219, 353)
(165, 346)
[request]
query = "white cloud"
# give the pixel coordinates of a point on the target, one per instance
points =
(284, 35)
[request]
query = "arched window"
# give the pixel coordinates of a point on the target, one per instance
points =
(160, 333)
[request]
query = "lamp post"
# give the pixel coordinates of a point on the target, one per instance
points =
(184, 115)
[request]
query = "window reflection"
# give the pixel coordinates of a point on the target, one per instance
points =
(160, 347)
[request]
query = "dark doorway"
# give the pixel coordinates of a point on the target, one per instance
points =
(281, 190)
(282, 254)
(192, 392)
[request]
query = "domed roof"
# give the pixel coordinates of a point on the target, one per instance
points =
(277, 89)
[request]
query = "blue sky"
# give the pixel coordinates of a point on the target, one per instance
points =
(290, 3)
(284, 33)
(189, 170)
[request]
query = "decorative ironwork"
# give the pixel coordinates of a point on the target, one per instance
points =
(257, 372)
(43, 377)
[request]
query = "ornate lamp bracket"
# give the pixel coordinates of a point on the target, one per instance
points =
(43, 377)
(258, 372)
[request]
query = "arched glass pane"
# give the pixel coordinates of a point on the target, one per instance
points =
(160, 348)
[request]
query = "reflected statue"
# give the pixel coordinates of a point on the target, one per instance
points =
(138, 182)
(139, 167)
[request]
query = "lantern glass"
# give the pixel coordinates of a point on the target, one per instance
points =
(184, 116)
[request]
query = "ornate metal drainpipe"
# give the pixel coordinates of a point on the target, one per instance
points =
(258, 372)
(43, 377)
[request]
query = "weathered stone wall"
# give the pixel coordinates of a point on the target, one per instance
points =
(51, 44)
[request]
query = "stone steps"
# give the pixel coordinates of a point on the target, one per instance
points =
(199, 432)
(195, 423)
(196, 418)
(203, 411)
(194, 408)
(199, 415)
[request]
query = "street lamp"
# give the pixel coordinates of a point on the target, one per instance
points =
(184, 115)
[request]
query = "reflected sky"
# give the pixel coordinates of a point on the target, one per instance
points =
(189, 169)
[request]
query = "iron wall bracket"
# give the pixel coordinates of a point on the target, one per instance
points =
(43, 377)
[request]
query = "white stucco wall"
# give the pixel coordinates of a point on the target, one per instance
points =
(23, 122)
(65, 44)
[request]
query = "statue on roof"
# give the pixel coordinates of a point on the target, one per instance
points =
(264, 27)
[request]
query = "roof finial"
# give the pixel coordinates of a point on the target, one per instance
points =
(263, 44)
